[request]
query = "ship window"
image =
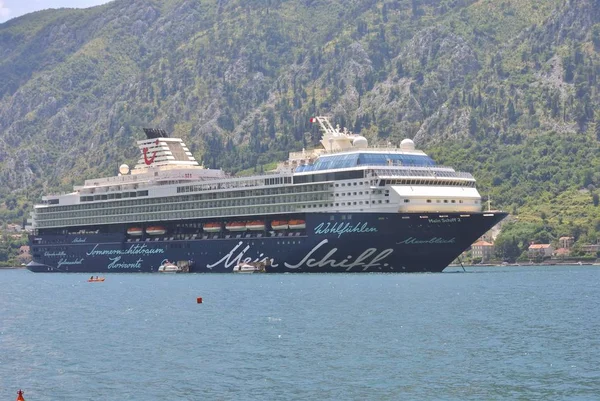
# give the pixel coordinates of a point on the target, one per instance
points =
(428, 200)
(445, 200)
(453, 201)
(405, 201)
(438, 201)
(337, 204)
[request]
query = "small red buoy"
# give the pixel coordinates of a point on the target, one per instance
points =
(20, 395)
(199, 300)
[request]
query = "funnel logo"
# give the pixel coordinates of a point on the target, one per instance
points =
(149, 160)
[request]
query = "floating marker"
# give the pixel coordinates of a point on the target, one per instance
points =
(20, 395)
(199, 300)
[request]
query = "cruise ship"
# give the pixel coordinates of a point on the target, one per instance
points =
(345, 207)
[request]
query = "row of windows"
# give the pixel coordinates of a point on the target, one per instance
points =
(343, 184)
(228, 207)
(113, 195)
(240, 202)
(442, 200)
(187, 198)
(376, 192)
(179, 215)
(340, 175)
(430, 182)
(234, 184)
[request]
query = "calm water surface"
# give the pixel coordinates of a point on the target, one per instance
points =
(492, 334)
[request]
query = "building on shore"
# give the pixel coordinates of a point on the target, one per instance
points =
(566, 242)
(540, 251)
(482, 250)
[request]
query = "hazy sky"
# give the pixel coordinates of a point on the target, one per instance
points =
(14, 8)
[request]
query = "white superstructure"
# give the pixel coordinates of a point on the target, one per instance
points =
(345, 175)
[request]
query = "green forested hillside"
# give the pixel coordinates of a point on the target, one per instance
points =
(505, 89)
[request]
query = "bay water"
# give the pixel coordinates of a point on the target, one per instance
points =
(494, 333)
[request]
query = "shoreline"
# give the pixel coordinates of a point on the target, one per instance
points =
(528, 264)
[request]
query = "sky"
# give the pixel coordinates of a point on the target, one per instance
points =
(15, 8)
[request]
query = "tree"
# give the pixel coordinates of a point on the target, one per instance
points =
(507, 248)
(596, 36)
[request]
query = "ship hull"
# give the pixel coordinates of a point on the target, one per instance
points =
(331, 242)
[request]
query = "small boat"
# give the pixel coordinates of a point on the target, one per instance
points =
(168, 267)
(297, 224)
(135, 231)
(279, 225)
(95, 279)
(256, 225)
(236, 226)
(156, 230)
(212, 227)
(256, 267)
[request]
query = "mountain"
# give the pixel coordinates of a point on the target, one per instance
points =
(505, 89)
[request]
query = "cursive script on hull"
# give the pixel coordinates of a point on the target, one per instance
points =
(319, 257)
(344, 228)
(116, 264)
(137, 249)
(67, 262)
(429, 241)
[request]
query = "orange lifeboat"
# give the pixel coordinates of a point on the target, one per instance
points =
(256, 225)
(156, 230)
(236, 226)
(279, 225)
(95, 279)
(212, 227)
(134, 231)
(297, 224)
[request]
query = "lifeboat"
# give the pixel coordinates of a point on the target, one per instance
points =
(134, 231)
(297, 224)
(236, 226)
(156, 230)
(212, 227)
(256, 225)
(168, 267)
(95, 279)
(279, 225)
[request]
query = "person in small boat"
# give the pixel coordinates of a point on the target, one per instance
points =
(91, 278)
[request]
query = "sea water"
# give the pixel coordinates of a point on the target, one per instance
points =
(496, 333)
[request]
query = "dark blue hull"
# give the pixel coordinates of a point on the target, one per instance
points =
(338, 242)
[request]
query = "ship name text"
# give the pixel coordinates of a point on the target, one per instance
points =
(366, 260)
(369, 258)
(442, 220)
